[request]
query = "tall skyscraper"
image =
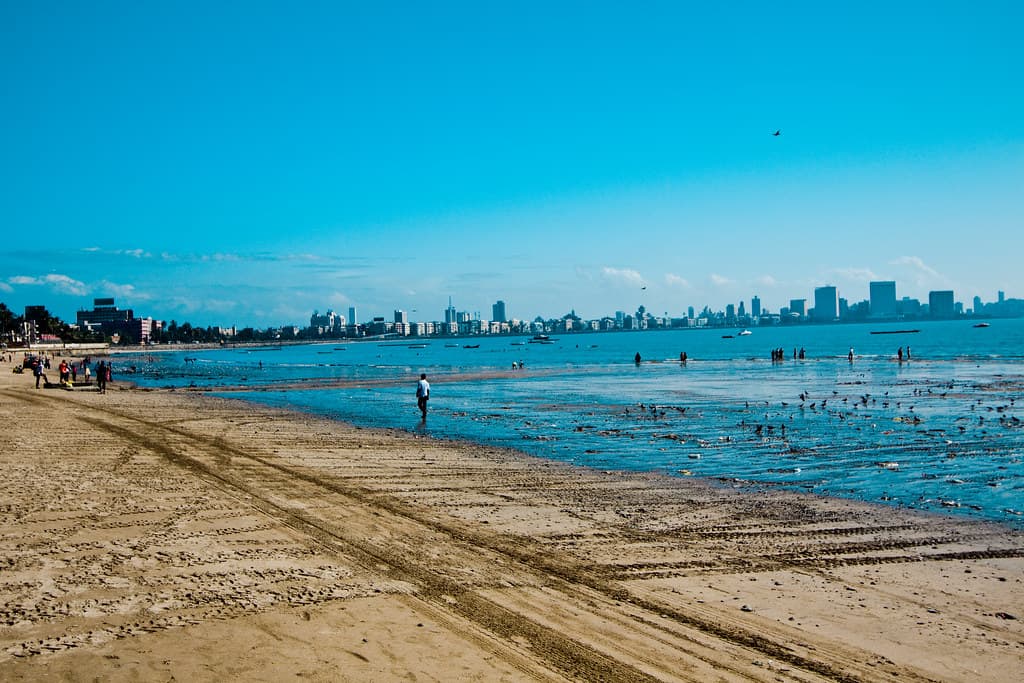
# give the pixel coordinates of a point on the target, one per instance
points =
(941, 304)
(755, 307)
(449, 313)
(883, 299)
(826, 304)
(798, 306)
(498, 312)
(401, 317)
(352, 320)
(689, 313)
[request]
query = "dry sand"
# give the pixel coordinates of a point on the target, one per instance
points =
(157, 535)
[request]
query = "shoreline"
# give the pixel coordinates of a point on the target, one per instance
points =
(192, 536)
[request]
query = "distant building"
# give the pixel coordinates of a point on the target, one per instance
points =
(142, 330)
(798, 307)
(498, 312)
(107, 317)
(978, 306)
(941, 304)
(450, 316)
(352, 316)
(690, 313)
(826, 304)
(328, 323)
(401, 317)
(909, 307)
(883, 299)
(755, 307)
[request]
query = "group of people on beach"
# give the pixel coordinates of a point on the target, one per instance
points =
(68, 371)
(900, 355)
(779, 354)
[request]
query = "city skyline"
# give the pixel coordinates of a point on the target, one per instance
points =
(583, 157)
(882, 305)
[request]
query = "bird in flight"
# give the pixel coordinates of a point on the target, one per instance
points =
(777, 133)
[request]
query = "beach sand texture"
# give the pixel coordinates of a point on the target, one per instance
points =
(161, 535)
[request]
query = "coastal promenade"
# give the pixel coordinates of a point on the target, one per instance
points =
(170, 535)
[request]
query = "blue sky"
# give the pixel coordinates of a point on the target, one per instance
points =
(246, 163)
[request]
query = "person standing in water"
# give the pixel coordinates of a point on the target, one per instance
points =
(423, 394)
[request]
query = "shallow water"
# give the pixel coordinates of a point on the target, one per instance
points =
(942, 431)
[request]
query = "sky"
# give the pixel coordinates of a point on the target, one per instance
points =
(247, 163)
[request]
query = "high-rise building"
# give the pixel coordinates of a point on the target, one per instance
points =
(498, 312)
(883, 299)
(352, 316)
(798, 307)
(742, 310)
(689, 313)
(105, 315)
(978, 306)
(941, 304)
(755, 307)
(450, 315)
(402, 317)
(826, 304)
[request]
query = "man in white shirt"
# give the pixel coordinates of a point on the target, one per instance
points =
(423, 394)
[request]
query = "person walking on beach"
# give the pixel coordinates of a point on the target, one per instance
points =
(423, 394)
(101, 377)
(37, 370)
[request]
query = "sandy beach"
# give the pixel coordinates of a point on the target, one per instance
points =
(171, 535)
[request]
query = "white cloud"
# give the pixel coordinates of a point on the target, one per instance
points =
(673, 280)
(915, 263)
(856, 274)
(719, 280)
(622, 276)
(4, 287)
(766, 281)
(59, 283)
(123, 291)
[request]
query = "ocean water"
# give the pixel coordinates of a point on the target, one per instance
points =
(943, 431)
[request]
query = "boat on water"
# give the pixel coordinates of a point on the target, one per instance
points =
(471, 346)
(417, 346)
(895, 331)
(745, 333)
(726, 336)
(982, 325)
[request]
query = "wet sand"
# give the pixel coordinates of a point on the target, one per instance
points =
(158, 535)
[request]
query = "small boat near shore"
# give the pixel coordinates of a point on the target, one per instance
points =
(745, 333)
(983, 325)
